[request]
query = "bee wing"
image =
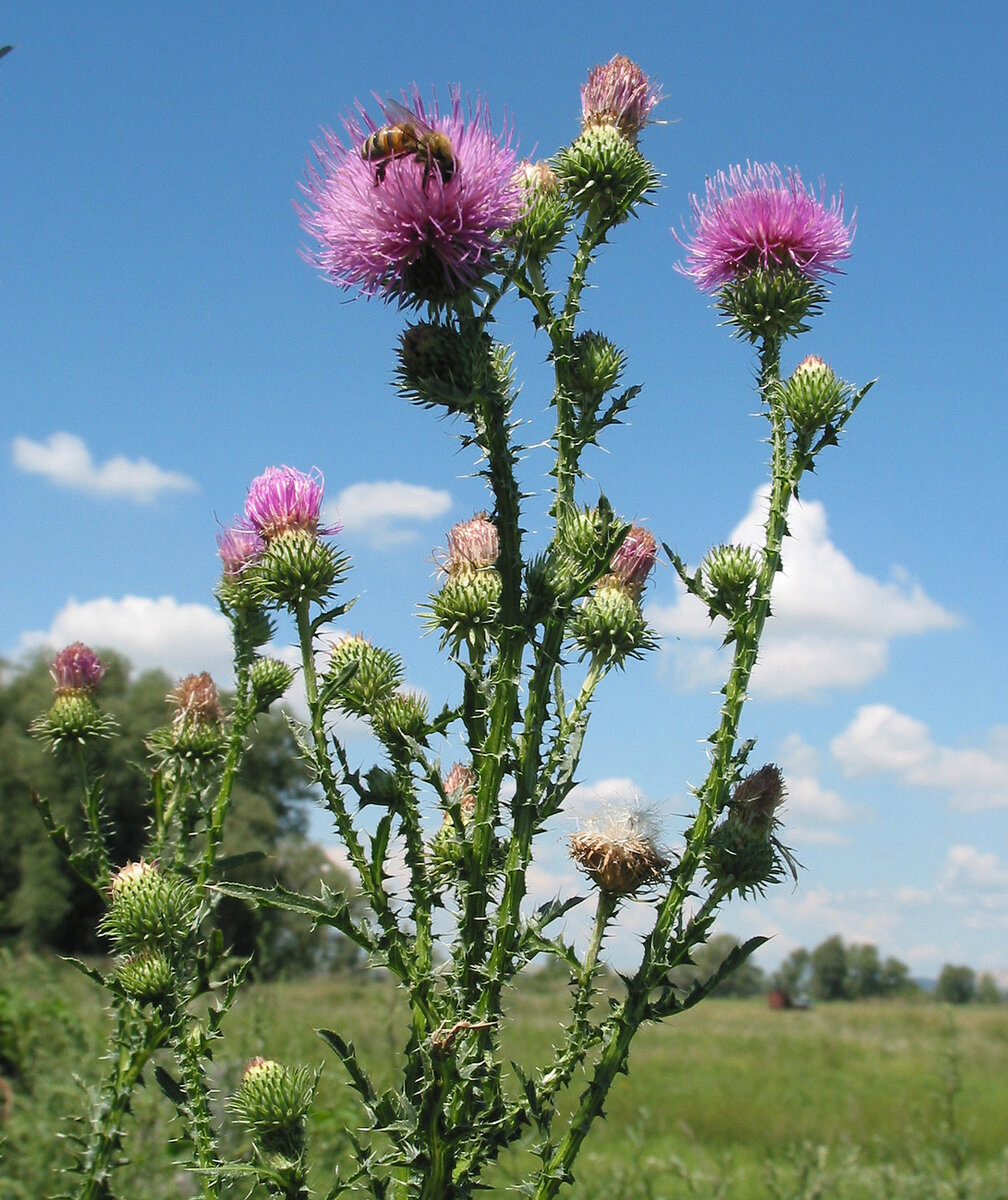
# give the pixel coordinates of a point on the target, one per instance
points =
(399, 114)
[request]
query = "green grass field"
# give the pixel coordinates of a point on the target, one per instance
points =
(729, 1100)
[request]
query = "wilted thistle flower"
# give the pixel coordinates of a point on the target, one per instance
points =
(744, 852)
(196, 733)
(74, 717)
(460, 786)
(393, 219)
(284, 507)
(763, 217)
(813, 397)
(465, 608)
(445, 850)
(620, 95)
(634, 559)
(619, 851)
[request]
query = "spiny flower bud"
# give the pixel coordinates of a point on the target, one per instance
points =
(377, 675)
(603, 172)
(758, 795)
(438, 365)
(619, 95)
(546, 210)
(618, 850)
(608, 625)
(597, 365)
(146, 976)
(744, 853)
(769, 304)
(403, 715)
(813, 397)
(634, 560)
(465, 608)
(273, 1101)
(148, 908)
(74, 717)
(729, 573)
(196, 733)
(460, 787)
(269, 678)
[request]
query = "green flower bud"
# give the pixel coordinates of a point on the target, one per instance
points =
(378, 673)
(196, 734)
(771, 303)
(273, 1101)
(546, 213)
(438, 365)
(269, 678)
(148, 908)
(146, 975)
(729, 573)
(73, 719)
(296, 567)
(597, 365)
(744, 853)
(813, 397)
(403, 715)
(609, 624)
(466, 607)
(603, 171)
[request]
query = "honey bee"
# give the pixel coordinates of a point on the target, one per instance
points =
(409, 137)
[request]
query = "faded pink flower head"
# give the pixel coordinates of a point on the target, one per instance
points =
(237, 547)
(472, 544)
(763, 217)
(195, 699)
(634, 560)
(618, 94)
(397, 224)
(76, 668)
(281, 499)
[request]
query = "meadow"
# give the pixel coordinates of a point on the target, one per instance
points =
(906, 1100)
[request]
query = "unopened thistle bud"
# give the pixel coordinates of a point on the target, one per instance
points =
(402, 716)
(603, 173)
(609, 626)
(546, 210)
(438, 365)
(618, 850)
(74, 717)
(813, 397)
(460, 788)
(147, 975)
(465, 608)
(273, 1102)
(597, 365)
(269, 679)
(148, 908)
(370, 675)
(729, 573)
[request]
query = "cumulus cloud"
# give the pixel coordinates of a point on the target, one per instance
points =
(64, 459)
(882, 741)
(381, 511)
(153, 634)
(831, 627)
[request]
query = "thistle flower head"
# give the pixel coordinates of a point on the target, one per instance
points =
(413, 209)
(472, 545)
(196, 700)
(634, 559)
(460, 784)
(283, 499)
(76, 669)
(237, 547)
(618, 850)
(763, 217)
(618, 94)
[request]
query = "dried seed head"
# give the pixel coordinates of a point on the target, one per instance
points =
(619, 851)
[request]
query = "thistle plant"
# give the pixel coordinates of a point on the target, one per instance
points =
(434, 212)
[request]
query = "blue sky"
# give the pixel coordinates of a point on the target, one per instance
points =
(163, 342)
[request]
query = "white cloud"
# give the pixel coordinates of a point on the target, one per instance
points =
(831, 624)
(162, 633)
(377, 510)
(65, 460)
(882, 741)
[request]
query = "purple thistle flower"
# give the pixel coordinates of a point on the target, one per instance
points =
(618, 94)
(763, 217)
(394, 226)
(237, 547)
(282, 498)
(76, 668)
(635, 558)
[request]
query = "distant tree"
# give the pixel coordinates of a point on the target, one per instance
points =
(865, 976)
(792, 976)
(896, 979)
(828, 963)
(987, 990)
(956, 984)
(42, 903)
